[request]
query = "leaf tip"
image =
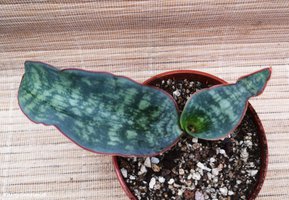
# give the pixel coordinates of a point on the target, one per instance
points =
(255, 83)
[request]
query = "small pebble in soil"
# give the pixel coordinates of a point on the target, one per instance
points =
(171, 181)
(155, 168)
(199, 195)
(195, 140)
(155, 160)
(196, 169)
(162, 179)
(181, 171)
(224, 191)
(143, 170)
(124, 172)
(152, 183)
(147, 162)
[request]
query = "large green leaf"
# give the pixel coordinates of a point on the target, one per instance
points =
(99, 111)
(215, 112)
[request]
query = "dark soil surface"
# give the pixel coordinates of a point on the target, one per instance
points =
(197, 169)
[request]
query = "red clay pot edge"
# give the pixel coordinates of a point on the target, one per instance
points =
(261, 133)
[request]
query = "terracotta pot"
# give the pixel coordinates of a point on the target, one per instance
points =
(212, 80)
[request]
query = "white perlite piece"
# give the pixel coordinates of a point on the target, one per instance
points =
(199, 196)
(223, 152)
(181, 172)
(253, 172)
(196, 176)
(143, 170)
(147, 162)
(162, 179)
(244, 154)
(195, 140)
(215, 171)
(180, 192)
(212, 160)
(171, 181)
(176, 93)
(230, 193)
(215, 180)
(200, 171)
(152, 183)
(248, 143)
(224, 191)
(155, 160)
(176, 185)
(131, 177)
(209, 176)
(123, 172)
(202, 166)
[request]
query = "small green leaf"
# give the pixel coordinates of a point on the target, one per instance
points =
(99, 111)
(215, 112)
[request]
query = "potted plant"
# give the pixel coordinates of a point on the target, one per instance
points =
(114, 115)
(194, 81)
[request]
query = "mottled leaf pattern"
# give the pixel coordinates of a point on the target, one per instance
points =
(99, 111)
(214, 113)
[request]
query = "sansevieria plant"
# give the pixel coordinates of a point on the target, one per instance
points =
(115, 115)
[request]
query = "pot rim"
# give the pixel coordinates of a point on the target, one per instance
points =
(261, 133)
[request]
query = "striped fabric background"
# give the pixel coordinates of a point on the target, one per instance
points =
(136, 38)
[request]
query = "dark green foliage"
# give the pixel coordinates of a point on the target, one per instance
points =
(214, 113)
(115, 115)
(99, 111)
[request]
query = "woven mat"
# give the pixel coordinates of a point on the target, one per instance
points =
(138, 39)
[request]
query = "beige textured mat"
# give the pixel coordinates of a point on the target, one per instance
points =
(138, 39)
